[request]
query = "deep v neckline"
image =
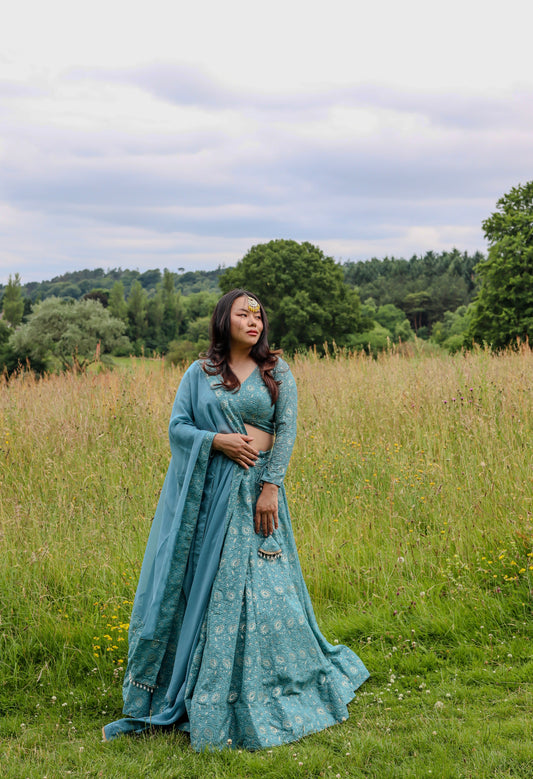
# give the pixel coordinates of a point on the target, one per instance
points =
(249, 375)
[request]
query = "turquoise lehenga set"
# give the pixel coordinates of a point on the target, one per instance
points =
(223, 641)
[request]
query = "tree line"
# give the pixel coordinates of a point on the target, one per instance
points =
(310, 300)
(451, 298)
(57, 331)
(75, 284)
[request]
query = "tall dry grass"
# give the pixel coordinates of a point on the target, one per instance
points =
(414, 470)
(410, 488)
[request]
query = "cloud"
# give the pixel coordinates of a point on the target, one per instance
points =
(186, 85)
(15, 89)
(142, 164)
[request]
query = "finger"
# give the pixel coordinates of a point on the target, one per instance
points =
(248, 457)
(261, 515)
(245, 451)
(242, 457)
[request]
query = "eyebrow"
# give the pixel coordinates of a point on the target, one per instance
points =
(247, 309)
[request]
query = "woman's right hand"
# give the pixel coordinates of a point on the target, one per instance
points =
(237, 447)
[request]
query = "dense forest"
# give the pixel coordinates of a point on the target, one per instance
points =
(78, 283)
(155, 312)
(424, 288)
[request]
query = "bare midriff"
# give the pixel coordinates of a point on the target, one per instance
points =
(262, 440)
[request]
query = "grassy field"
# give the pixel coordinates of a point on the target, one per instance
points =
(411, 490)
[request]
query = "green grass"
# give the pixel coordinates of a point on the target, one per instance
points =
(411, 496)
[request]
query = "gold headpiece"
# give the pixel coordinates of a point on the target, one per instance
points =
(253, 305)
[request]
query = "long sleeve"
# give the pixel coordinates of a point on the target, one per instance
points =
(285, 426)
(184, 431)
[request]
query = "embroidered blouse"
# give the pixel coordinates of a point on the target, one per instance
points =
(254, 403)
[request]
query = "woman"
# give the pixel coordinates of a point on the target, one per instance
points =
(223, 641)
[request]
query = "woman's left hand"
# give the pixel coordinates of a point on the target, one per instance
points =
(266, 510)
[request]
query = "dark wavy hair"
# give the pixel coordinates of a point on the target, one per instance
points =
(216, 359)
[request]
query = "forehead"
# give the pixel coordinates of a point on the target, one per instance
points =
(240, 304)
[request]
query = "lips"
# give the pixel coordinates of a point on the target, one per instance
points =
(251, 332)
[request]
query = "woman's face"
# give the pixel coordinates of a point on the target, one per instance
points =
(245, 326)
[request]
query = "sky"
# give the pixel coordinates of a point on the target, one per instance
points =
(168, 134)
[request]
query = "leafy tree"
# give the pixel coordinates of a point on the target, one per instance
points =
(196, 281)
(450, 332)
(117, 303)
(58, 332)
(303, 291)
(198, 329)
(74, 291)
(198, 304)
(136, 314)
(172, 309)
(182, 351)
(163, 315)
(155, 311)
(384, 325)
(415, 305)
(446, 293)
(102, 295)
(13, 302)
(373, 340)
(75, 284)
(8, 358)
(447, 279)
(503, 309)
(150, 278)
(394, 319)
(28, 308)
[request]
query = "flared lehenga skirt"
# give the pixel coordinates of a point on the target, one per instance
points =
(250, 668)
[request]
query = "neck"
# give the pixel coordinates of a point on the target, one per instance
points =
(237, 355)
